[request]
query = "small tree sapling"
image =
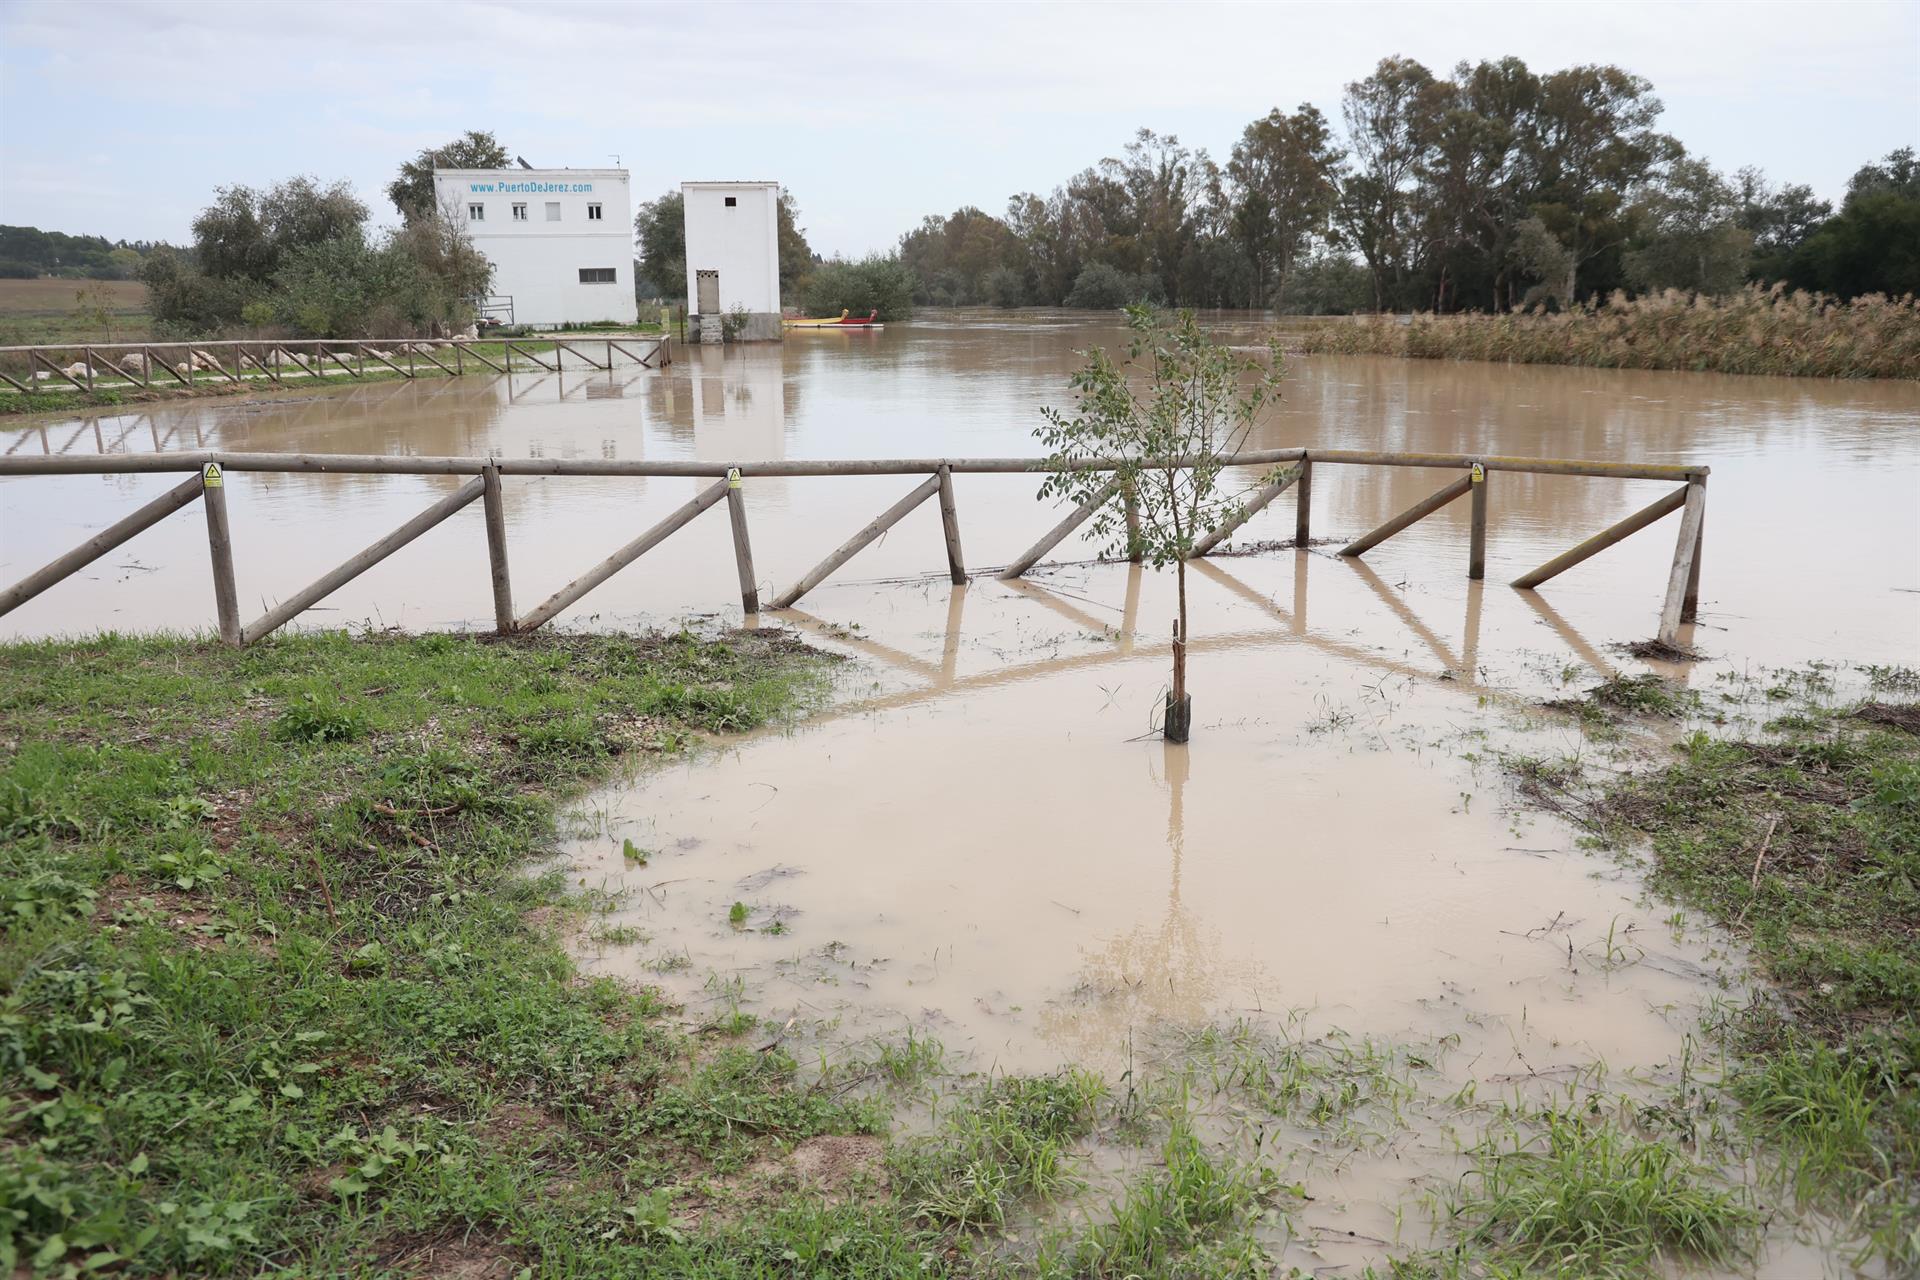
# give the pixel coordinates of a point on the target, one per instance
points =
(1167, 414)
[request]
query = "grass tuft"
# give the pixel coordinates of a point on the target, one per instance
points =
(1563, 1194)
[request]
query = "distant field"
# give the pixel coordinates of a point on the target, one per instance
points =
(46, 310)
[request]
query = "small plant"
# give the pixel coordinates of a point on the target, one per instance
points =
(318, 717)
(651, 1216)
(737, 915)
(188, 870)
(633, 853)
(1006, 1141)
(1569, 1194)
(1164, 415)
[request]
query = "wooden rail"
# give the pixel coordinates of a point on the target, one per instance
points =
(137, 364)
(1679, 605)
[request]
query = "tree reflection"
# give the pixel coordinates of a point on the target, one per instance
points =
(1173, 970)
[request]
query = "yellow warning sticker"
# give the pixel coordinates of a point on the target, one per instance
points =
(210, 476)
(1479, 473)
(733, 477)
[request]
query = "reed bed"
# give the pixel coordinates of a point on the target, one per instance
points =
(1764, 331)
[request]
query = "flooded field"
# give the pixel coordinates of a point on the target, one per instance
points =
(980, 840)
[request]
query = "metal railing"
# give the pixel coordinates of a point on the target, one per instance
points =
(1289, 469)
(141, 364)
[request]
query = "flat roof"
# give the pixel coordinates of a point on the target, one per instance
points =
(733, 182)
(462, 173)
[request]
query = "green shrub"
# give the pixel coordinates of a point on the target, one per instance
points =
(876, 283)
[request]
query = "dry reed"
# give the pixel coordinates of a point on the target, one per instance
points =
(1763, 331)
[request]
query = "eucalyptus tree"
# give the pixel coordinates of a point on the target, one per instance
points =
(1593, 143)
(1167, 413)
(1283, 176)
(1386, 117)
(1690, 235)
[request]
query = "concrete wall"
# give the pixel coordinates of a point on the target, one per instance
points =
(742, 243)
(538, 260)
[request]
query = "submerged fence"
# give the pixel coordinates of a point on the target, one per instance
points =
(98, 365)
(210, 472)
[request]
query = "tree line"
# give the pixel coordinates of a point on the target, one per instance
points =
(1492, 188)
(298, 257)
(28, 252)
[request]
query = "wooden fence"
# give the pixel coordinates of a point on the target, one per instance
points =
(1286, 469)
(141, 364)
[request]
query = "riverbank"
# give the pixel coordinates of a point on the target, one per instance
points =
(1752, 332)
(1801, 839)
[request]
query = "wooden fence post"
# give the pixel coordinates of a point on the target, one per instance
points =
(742, 547)
(1303, 497)
(226, 596)
(1477, 548)
(950, 521)
(1692, 517)
(1690, 607)
(496, 512)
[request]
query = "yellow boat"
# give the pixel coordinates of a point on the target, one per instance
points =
(845, 321)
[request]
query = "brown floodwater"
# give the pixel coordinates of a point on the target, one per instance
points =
(980, 840)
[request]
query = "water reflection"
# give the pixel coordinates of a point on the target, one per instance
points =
(960, 384)
(1172, 971)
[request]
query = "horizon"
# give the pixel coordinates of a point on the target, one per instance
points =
(944, 109)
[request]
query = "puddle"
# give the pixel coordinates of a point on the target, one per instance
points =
(983, 843)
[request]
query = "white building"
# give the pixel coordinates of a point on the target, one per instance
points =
(733, 256)
(560, 240)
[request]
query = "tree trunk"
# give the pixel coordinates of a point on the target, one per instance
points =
(1180, 635)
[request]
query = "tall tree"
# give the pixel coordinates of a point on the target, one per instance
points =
(1778, 218)
(1387, 116)
(1592, 144)
(1873, 244)
(1283, 174)
(1690, 236)
(661, 228)
(796, 255)
(246, 233)
(412, 191)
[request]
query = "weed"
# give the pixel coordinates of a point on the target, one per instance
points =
(1564, 1193)
(1193, 1205)
(318, 717)
(1007, 1140)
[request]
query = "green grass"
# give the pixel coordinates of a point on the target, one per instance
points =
(1191, 1217)
(1565, 1194)
(1805, 840)
(1006, 1141)
(278, 992)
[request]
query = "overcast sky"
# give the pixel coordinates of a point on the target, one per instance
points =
(120, 119)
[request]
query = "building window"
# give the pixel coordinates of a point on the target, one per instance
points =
(597, 275)
(593, 213)
(476, 213)
(553, 211)
(730, 202)
(519, 213)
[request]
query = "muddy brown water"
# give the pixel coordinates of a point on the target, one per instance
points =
(980, 840)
